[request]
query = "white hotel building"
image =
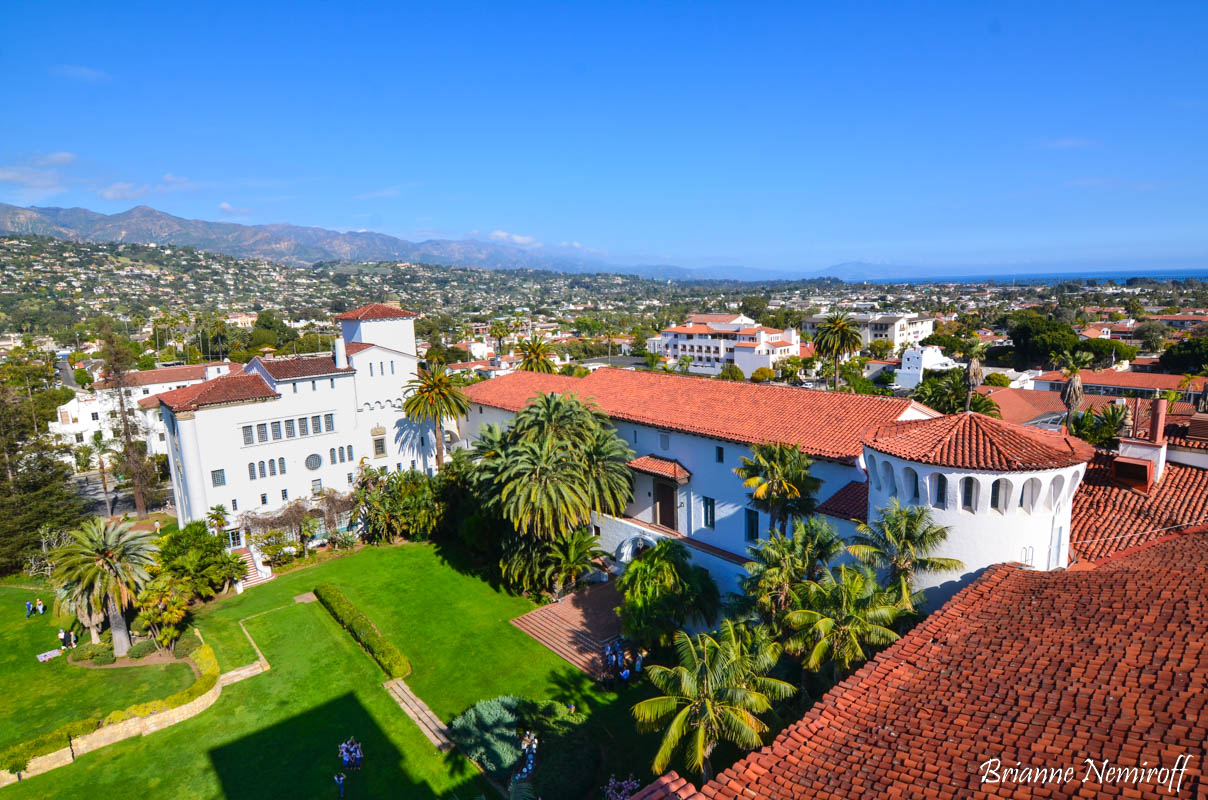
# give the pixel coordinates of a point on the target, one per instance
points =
(290, 428)
(897, 329)
(715, 340)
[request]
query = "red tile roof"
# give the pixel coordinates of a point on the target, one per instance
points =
(975, 441)
(808, 350)
(183, 372)
(706, 318)
(1131, 380)
(375, 311)
(302, 367)
(850, 502)
(1107, 517)
(1021, 406)
(824, 424)
(218, 391)
(355, 347)
(1039, 669)
(663, 467)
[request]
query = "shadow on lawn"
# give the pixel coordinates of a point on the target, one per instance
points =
(298, 758)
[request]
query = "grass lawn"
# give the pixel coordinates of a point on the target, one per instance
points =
(39, 697)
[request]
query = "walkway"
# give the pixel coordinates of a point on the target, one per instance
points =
(578, 626)
(420, 714)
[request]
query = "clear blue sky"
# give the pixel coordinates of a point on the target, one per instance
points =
(785, 136)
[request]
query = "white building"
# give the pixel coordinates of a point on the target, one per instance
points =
(897, 329)
(917, 360)
(290, 428)
(715, 340)
(89, 412)
(688, 434)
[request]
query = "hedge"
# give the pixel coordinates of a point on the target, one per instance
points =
(206, 663)
(17, 757)
(383, 651)
(187, 643)
(142, 649)
(90, 652)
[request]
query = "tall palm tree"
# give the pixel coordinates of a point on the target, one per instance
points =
(569, 557)
(974, 351)
(104, 450)
(498, 330)
(778, 475)
(845, 612)
(606, 469)
(662, 591)
(836, 337)
(560, 416)
(110, 563)
(70, 600)
(217, 519)
(536, 355)
(901, 541)
(1072, 365)
(435, 396)
(714, 694)
(543, 491)
(781, 566)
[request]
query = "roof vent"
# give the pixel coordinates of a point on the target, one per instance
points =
(1198, 427)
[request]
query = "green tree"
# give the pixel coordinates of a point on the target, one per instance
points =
(1188, 356)
(498, 330)
(544, 491)
(119, 357)
(217, 518)
(162, 606)
(570, 557)
(110, 562)
(661, 591)
(880, 348)
(536, 355)
(1151, 334)
(763, 375)
(778, 477)
(837, 336)
(997, 379)
(434, 396)
(781, 567)
(731, 372)
(901, 541)
(714, 694)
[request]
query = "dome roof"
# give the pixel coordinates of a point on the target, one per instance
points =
(977, 442)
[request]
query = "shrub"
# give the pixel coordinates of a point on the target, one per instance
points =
(141, 649)
(487, 733)
(104, 659)
(88, 652)
(383, 651)
(17, 757)
(762, 375)
(997, 379)
(187, 643)
(207, 665)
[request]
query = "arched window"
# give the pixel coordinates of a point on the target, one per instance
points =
(873, 477)
(1054, 496)
(939, 493)
(333, 455)
(341, 451)
(251, 471)
(968, 494)
(349, 448)
(281, 465)
(1000, 495)
(262, 472)
(272, 467)
(891, 487)
(910, 485)
(1029, 494)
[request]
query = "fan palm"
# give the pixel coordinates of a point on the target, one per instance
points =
(109, 563)
(845, 612)
(974, 351)
(1072, 365)
(217, 519)
(713, 695)
(901, 541)
(836, 337)
(543, 490)
(434, 396)
(779, 478)
(535, 355)
(781, 566)
(498, 330)
(570, 556)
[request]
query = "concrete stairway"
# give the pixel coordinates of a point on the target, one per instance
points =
(251, 576)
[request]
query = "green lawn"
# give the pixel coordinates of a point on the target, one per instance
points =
(275, 734)
(39, 697)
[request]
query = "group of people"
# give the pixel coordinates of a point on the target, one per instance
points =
(619, 664)
(351, 756)
(67, 639)
(528, 746)
(34, 605)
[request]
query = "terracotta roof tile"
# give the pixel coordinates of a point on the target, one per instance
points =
(824, 424)
(663, 467)
(183, 372)
(302, 367)
(375, 311)
(218, 391)
(850, 502)
(1043, 669)
(1159, 381)
(355, 347)
(975, 441)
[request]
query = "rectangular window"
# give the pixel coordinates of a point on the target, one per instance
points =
(161, 437)
(262, 432)
(276, 429)
(248, 437)
(350, 477)
(719, 453)
(289, 429)
(146, 391)
(295, 385)
(333, 383)
(285, 494)
(79, 437)
(379, 446)
(413, 463)
(234, 504)
(391, 367)
(302, 429)
(218, 477)
(264, 499)
(96, 415)
(752, 531)
(316, 486)
(314, 386)
(330, 421)
(371, 369)
(709, 507)
(314, 424)
(664, 441)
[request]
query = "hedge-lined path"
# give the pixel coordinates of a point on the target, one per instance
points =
(420, 714)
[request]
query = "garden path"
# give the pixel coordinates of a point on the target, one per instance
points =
(420, 714)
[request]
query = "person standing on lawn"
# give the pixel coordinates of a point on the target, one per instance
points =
(41, 607)
(340, 782)
(29, 608)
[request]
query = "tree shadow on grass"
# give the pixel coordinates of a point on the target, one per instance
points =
(298, 758)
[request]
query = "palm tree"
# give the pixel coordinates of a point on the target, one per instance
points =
(606, 469)
(70, 600)
(217, 518)
(103, 449)
(652, 359)
(569, 557)
(713, 695)
(974, 351)
(558, 416)
(901, 541)
(778, 475)
(781, 566)
(535, 355)
(662, 591)
(109, 562)
(845, 612)
(837, 336)
(1072, 365)
(498, 330)
(1111, 419)
(543, 491)
(434, 396)
(684, 364)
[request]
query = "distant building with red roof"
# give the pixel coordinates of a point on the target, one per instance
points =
(714, 341)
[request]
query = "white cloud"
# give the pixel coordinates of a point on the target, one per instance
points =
(30, 184)
(175, 183)
(514, 238)
(230, 210)
(55, 159)
(1067, 143)
(122, 190)
(76, 72)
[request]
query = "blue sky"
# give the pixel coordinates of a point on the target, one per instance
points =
(789, 136)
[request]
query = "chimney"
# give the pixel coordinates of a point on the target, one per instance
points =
(341, 353)
(1141, 462)
(1157, 421)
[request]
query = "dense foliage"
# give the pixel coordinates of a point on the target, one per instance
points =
(663, 591)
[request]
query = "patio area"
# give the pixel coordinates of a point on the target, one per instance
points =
(578, 627)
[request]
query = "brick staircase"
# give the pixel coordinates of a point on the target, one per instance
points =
(574, 646)
(578, 627)
(256, 578)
